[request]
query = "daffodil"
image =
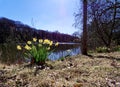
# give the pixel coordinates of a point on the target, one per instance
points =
(51, 42)
(27, 47)
(29, 42)
(37, 49)
(19, 47)
(56, 44)
(34, 39)
(48, 48)
(40, 40)
(46, 41)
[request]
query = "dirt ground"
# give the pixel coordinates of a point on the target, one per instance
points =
(98, 70)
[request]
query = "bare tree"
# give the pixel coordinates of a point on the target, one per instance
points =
(105, 17)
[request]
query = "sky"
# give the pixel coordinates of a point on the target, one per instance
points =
(51, 15)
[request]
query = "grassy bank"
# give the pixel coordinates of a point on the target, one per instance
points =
(100, 70)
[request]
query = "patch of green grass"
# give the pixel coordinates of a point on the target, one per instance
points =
(102, 49)
(90, 51)
(62, 59)
(117, 48)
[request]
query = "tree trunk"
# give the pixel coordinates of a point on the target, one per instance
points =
(84, 40)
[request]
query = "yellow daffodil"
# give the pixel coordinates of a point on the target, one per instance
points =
(27, 47)
(48, 48)
(40, 40)
(46, 41)
(51, 42)
(38, 48)
(29, 42)
(56, 44)
(34, 39)
(19, 47)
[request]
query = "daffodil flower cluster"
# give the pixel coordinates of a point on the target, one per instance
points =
(38, 49)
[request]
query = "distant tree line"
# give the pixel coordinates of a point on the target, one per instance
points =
(18, 32)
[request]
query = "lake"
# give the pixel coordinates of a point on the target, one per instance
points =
(64, 50)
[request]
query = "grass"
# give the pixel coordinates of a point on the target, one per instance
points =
(75, 71)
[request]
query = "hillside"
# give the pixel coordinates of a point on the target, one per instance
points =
(11, 30)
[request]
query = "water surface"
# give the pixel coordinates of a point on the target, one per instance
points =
(64, 53)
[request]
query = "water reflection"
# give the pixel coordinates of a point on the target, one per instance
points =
(64, 53)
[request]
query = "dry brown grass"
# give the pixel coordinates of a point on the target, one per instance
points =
(76, 71)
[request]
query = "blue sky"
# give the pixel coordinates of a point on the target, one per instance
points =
(48, 15)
